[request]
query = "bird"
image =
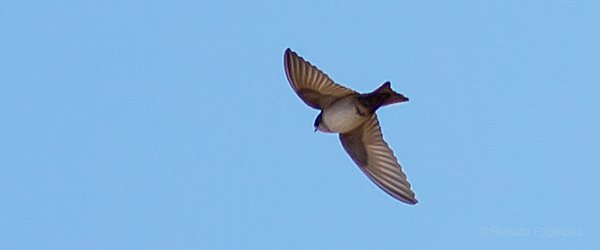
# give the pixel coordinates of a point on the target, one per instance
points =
(352, 115)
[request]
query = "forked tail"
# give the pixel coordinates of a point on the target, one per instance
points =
(382, 96)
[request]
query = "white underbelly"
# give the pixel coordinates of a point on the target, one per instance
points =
(342, 116)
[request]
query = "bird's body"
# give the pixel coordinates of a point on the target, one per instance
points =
(352, 115)
(341, 116)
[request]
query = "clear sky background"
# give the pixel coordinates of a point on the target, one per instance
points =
(171, 125)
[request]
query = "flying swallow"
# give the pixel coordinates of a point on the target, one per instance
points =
(352, 115)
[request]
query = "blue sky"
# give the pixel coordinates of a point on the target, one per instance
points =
(171, 125)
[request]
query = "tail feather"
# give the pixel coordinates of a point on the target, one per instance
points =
(382, 96)
(390, 95)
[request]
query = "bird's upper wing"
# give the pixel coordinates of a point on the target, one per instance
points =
(370, 152)
(312, 85)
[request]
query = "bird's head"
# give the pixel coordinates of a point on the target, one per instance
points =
(319, 125)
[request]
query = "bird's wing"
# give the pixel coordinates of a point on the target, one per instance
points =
(371, 153)
(313, 86)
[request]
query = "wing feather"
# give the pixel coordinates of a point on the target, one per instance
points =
(371, 153)
(313, 86)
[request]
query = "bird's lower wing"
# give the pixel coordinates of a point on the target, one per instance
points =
(371, 153)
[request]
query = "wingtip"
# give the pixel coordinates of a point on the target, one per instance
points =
(288, 54)
(407, 200)
(288, 51)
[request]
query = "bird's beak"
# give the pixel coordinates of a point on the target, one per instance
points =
(315, 130)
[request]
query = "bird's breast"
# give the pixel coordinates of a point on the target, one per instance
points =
(342, 116)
